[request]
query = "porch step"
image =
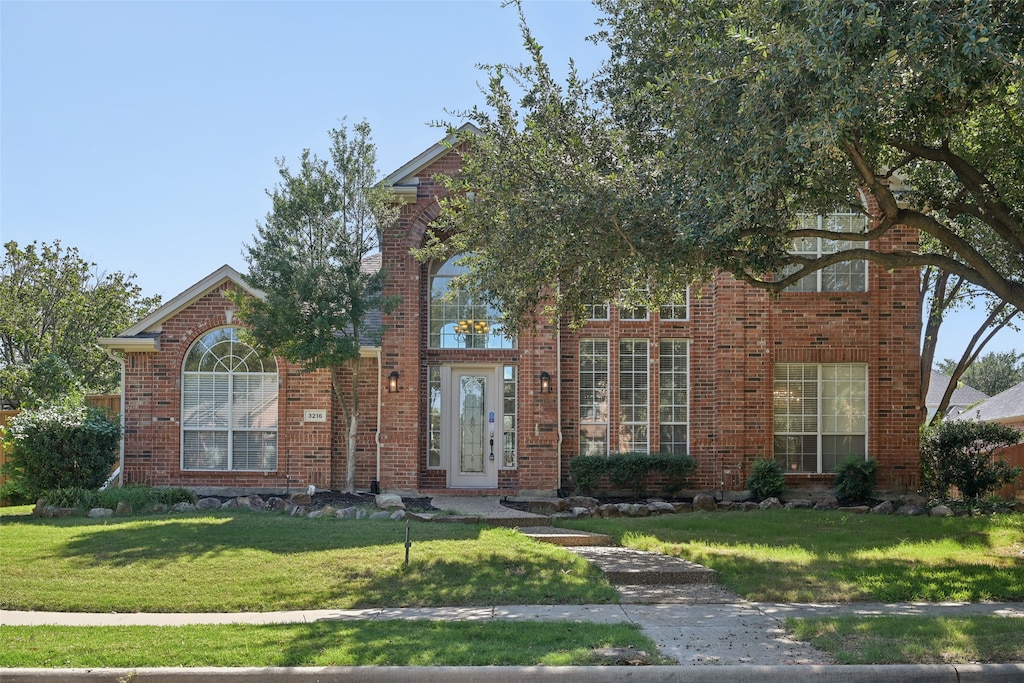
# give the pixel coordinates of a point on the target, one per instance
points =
(628, 567)
(565, 537)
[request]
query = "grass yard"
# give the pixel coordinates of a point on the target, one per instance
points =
(811, 556)
(384, 643)
(244, 561)
(914, 640)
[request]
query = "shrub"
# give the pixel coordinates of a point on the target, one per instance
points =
(628, 470)
(960, 453)
(766, 479)
(855, 478)
(139, 497)
(61, 446)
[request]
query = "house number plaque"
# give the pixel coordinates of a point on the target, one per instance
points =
(315, 416)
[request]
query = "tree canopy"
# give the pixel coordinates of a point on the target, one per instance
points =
(54, 305)
(990, 374)
(716, 124)
(308, 261)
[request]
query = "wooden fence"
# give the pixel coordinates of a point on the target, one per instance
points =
(1014, 456)
(109, 403)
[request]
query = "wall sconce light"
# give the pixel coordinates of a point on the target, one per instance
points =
(545, 383)
(393, 382)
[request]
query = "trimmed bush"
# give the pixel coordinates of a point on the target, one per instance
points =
(629, 471)
(139, 497)
(960, 453)
(855, 478)
(766, 479)
(61, 446)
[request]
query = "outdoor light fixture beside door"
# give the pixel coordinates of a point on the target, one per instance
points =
(393, 382)
(545, 383)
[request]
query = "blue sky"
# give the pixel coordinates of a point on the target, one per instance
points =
(145, 133)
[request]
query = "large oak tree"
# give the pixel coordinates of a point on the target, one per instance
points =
(716, 124)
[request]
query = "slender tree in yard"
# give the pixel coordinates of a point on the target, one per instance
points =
(715, 125)
(307, 262)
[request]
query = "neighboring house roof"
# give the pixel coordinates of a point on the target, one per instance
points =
(404, 181)
(145, 334)
(963, 396)
(1005, 407)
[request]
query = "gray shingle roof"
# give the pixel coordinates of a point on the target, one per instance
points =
(1009, 405)
(963, 396)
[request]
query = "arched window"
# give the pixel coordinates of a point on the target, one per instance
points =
(229, 405)
(457, 320)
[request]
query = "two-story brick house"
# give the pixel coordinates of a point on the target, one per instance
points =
(728, 374)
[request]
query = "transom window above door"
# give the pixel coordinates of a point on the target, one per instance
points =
(458, 320)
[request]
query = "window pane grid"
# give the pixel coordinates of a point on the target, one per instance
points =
(673, 395)
(434, 417)
(820, 415)
(593, 397)
(633, 395)
(509, 417)
(850, 276)
(457, 319)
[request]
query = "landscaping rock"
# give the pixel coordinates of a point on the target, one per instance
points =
(123, 508)
(704, 502)
(101, 512)
(884, 508)
(276, 504)
(389, 501)
(591, 504)
(254, 503)
(798, 504)
(183, 507)
(827, 503)
(546, 507)
(315, 514)
(725, 505)
(770, 504)
(229, 504)
(159, 509)
(208, 504)
(856, 509)
(397, 514)
(682, 508)
(582, 512)
(346, 513)
(383, 514)
(910, 510)
(610, 510)
(941, 511)
(660, 507)
(301, 498)
(299, 511)
(748, 506)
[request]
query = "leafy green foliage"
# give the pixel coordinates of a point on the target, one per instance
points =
(308, 262)
(138, 497)
(716, 124)
(959, 454)
(990, 374)
(766, 479)
(54, 305)
(61, 446)
(855, 478)
(629, 471)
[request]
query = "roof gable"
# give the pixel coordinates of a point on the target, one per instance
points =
(404, 181)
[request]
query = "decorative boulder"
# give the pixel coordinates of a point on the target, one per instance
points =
(383, 514)
(770, 504)
(704, 502)
(941, 511)
(798, 504)
(254, 503)
(591, 504)
(301, 498)
(315, 514)
(347, 513)
(101, 512)
(276, 504)
(827, 503)
(856, 510)
(660, 507)
(749, 505)
(609, 510)
(884, 508)
(725, 505)
(546, 507)
(682, 507)
(582, 512)
(910, 510)
(123, 508)
(230, 504)
(208, 504)
(183, 507)
(389, 501)
(397, 514)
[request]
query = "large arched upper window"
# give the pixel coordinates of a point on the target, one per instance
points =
(457, 320)
(229, 405)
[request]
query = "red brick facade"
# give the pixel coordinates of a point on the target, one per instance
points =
(736, 335)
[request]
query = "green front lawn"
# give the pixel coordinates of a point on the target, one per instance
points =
(245, 561)
(811, 556)
(331, 643)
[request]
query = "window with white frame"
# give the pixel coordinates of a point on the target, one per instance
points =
(595, 311)
(820, 415)
(593, 397)
(509, 407)
(634, 397)
(848, 276)
(677, 308)
(229, 405)
(673, 395)
(627, 311)
(434, 417)
(458, 320)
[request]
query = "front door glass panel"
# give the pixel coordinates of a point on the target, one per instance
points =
(472, 423)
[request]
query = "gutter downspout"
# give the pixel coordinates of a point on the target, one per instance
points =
(120, 467)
